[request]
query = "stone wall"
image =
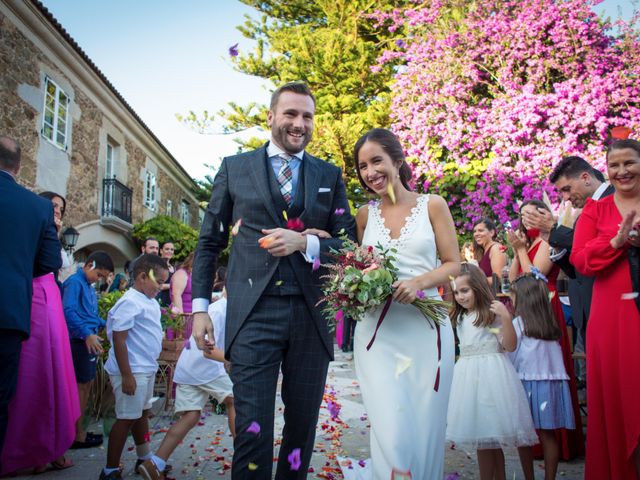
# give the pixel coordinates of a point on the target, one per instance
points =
(22, 71)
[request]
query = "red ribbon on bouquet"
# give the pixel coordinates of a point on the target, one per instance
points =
(385, 309)
(383, 314)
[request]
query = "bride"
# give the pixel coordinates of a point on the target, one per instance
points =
(405, 385)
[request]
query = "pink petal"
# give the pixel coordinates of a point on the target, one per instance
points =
(294, 459)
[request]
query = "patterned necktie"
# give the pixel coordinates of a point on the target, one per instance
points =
(285, 178)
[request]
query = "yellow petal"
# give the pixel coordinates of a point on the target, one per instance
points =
(495, 331)
(391, 193)
(402, 364)
(253, 466)
(284, 214)
(152, 276)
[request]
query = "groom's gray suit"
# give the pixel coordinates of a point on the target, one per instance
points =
(273, 321)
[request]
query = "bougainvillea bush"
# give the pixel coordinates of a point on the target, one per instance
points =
(493, 93)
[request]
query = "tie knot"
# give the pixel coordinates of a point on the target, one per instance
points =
(286, 158)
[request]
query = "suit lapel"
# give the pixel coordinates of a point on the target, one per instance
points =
(311, 182)
(260, 177)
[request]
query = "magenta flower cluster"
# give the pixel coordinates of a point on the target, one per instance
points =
(513, 85)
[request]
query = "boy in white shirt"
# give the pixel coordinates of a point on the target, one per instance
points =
(198, 375)
(135, 332)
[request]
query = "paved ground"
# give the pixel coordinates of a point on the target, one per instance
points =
(206, 452)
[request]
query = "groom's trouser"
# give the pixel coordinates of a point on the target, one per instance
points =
(278, 334)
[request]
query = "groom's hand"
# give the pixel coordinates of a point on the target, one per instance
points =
(202, 326)
(281, 242)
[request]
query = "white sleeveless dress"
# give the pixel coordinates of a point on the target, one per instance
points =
(397, 375)
(489, 407)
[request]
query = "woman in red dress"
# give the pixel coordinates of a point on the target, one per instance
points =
(531, 250)
(604, 241)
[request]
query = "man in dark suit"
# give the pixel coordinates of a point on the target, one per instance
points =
(273, 283)
(30, 247)
(576, 181)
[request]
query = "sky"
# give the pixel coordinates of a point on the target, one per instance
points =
(167, 57)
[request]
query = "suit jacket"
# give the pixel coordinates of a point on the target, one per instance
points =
(241, 190)
(580, 286)
(30, 248)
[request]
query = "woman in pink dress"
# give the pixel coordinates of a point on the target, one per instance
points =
(181, 291)
(43, 413)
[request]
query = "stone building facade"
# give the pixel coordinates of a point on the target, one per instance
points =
(80, 138)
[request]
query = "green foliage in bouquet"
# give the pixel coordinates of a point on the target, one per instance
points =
(361, 279)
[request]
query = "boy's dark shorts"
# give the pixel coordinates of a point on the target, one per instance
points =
(84, 363)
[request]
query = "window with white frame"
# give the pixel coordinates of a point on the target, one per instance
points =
(150, 191)
(184, 212)
(56, 114)
(112, 159)
(169, 208)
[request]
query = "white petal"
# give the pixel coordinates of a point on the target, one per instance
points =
(402, 364)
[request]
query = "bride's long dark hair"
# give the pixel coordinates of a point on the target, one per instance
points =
(391, 145)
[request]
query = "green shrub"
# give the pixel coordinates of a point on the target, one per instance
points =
(168, 229)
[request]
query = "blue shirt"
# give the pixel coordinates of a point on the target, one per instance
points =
(273, 151)
(80, 305)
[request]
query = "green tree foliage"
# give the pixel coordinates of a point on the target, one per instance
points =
(331, 45)
(168, 229)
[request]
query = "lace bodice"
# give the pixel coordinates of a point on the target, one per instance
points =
(416, 247)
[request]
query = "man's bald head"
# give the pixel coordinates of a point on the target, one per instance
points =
(9, 154)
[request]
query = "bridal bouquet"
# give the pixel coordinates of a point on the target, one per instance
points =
(361, 280)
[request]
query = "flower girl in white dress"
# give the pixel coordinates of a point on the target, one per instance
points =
(488, 408)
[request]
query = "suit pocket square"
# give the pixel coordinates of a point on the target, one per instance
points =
(324, 190)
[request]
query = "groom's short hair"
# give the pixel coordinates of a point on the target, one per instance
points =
(294, 87)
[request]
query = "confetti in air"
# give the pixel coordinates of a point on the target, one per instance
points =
(253, 466)
(629, 296)
(295, 224)
(284, 215)
(543, 405)
(294, 459)
(339, 211)
(251, 283)
(391, 193)
(316, 264)
(254, 428)
(233, 50)
(236, 227)
(402, 365)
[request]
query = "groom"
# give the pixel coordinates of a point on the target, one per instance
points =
(273, 283)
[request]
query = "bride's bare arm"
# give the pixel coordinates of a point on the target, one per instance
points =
(446, 242)
(361, 221)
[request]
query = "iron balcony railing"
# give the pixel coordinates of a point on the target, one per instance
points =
(116, 199)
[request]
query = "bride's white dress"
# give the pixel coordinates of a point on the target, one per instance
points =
(397, 375)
